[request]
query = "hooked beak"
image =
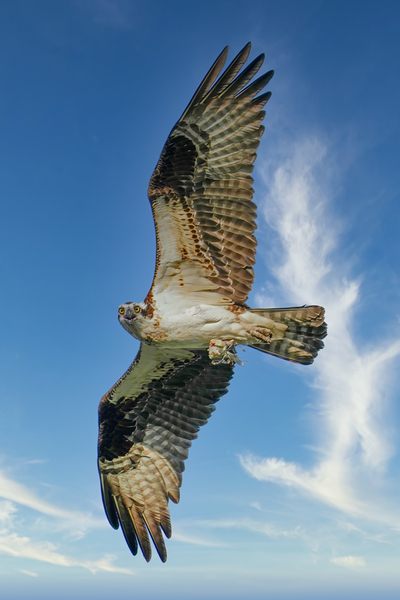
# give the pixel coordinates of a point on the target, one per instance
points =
(129, 315)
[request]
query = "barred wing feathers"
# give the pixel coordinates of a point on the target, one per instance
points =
(201, 189)
(303, 337)
(147, 423)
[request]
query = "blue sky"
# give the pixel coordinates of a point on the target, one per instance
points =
(291, 490)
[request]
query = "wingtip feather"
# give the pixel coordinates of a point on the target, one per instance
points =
(109, 508)
(155, 532)
(127, 527)
(208, 81)
(139, 524)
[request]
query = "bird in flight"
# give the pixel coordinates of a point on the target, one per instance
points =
(195, 312)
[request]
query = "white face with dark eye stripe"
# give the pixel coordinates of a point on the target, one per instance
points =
(130, 315)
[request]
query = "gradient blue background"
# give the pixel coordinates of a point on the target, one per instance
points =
(89, 92)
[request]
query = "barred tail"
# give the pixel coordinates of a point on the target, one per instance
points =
(302, 339)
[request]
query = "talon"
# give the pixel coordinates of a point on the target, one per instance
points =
(221, 352)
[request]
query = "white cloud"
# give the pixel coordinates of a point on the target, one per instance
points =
(104, 564)
(350, 562)
(380, 537)
(262, 527)
(179, 535)
(7, 514)
(29, 573)
(22, 547)
(351, 380)
(17, 492)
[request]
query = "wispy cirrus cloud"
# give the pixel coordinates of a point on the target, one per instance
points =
(349, 562)
(351, 379)
(181, 535)
(20, 494)
(23, 547)
(29, 573)
(265, 528)
(77, 524)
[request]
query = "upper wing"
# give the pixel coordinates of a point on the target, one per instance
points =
(147, 423)
(201, 189)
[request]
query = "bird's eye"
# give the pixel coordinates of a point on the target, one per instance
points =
(137, 309)
(121, 310)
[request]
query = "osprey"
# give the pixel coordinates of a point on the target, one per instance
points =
(195, 312)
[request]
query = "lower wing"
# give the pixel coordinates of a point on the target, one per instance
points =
(147, 423)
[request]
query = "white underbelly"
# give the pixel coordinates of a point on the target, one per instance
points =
(195, 326)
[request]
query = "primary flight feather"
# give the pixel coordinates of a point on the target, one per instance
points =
(195, 312)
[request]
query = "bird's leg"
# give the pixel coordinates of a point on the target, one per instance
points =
(223, 352)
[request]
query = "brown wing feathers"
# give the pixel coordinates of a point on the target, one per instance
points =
(227, 77)
(144, 439)
(207, 164)
(208, 81)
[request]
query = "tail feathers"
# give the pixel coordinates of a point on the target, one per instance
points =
(304, 334)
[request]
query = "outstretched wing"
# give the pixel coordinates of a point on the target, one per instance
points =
(201, 189)
(147, 423)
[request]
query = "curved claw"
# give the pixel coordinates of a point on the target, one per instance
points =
(221, 352)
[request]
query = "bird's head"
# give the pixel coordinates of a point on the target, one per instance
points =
(131, 316)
